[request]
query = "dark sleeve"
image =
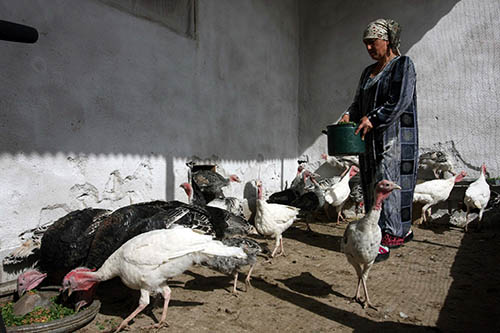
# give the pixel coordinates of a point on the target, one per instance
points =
(399, 94)
(353, 109)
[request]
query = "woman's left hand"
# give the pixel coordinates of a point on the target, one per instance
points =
(365, 125)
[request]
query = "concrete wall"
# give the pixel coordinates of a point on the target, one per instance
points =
(106, 108)
(455, 46)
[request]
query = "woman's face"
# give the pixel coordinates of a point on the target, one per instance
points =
(377, 48)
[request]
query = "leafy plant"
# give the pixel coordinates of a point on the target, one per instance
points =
(493, 180)
(347, 123)
(38, 315)
(101, 326)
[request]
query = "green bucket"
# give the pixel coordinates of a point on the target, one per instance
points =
(343, 141)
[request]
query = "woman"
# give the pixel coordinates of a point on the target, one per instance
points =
(385, 106)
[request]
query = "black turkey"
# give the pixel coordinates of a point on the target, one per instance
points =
(64, 245)
(211, 183)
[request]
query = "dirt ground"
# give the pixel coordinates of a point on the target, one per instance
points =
(444, 281)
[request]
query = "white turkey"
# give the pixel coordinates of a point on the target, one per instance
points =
(337, 194)
(272, 219)
(362, 238)
(477, 196)
(434, 191)
(81, 239)
(148, 260)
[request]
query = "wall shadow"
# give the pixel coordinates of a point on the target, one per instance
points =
(332, 54)
(121, 84)
(104, 82)
(473, 300)
(301, 287)
(316, 239)
(346, 318)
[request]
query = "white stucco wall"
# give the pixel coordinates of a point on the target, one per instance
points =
(106, 108)
(455, 46)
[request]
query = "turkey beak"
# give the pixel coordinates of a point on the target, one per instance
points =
(20, 292)
(397, 187)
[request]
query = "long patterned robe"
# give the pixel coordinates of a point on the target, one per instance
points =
(389, 100)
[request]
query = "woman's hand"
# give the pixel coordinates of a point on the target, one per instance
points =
(365, 125)
(345, 118)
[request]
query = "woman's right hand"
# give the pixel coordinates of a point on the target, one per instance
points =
(365, 125)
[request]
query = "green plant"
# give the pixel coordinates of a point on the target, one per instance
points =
(101, 326)
(493, 180)
(38, 315)
(347, 123)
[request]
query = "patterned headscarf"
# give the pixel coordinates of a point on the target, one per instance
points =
(385, 29)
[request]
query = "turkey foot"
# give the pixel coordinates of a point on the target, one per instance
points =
(157, 325)
(369, 305)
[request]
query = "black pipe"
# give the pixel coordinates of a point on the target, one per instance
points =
(14, 32)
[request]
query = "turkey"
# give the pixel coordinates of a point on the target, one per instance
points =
(436, 161)
(148, 260)
(362, 238)
(273, 219)
(232, 265)
(311, 201)
(231, 204)
(356, 196)
(30, 246)
(129, 221)
(104, 237)
(434, 191)
(228, 227)
(64, 245)
(337, 194)
(296, 189)
(211, 183)
(342, 162)
(225, 223)
(477, 196)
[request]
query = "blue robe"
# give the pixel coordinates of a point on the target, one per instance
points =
(389, 100)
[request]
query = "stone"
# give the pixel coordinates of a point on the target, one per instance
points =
(28, 302)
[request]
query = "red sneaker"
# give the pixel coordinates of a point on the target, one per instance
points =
(409, 236)
(383, 253)
(392, 241)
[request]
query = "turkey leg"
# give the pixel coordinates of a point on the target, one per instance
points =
(166, 299)
(142, 306)
(247, 279)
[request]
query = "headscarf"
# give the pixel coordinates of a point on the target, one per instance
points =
(385, 29)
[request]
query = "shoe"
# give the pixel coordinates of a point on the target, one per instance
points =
(408, 237)
(383, 253)
(391, 241)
